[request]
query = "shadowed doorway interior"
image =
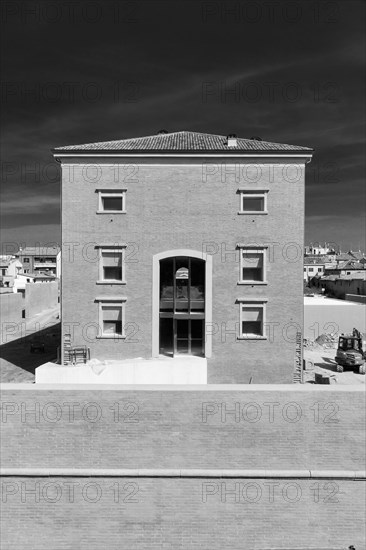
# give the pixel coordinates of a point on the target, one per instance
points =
(182, 306)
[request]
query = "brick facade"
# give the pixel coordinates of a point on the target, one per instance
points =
(180, 203)
(317, 429)
(144, 514)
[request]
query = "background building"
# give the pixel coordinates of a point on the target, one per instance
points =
(40, 259)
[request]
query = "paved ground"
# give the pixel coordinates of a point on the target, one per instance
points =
(323, 362)
(17, 363)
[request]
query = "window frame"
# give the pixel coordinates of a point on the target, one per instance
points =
(115, 249)
(255, 194)
(248, 303)
(250, 250)
(111, 193)
(114, 301)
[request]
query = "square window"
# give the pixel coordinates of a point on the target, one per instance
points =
(252, 315)
(112, 201)
(253, 202)
(112, 320)
(112, 273)
(111, 265)
(252, 265)
(111, 317)
(26, 260)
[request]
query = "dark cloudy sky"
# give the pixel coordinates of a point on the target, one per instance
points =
(84, 71)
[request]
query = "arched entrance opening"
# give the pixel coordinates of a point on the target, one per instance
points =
(182, 304)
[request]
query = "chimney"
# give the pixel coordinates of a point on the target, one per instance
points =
(231, 140)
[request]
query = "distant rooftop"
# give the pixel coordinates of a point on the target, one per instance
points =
(37, 275)
(358, 255)
(313, 260)
(350, 264)
(343, 256)
(186, 141)
(38, 251)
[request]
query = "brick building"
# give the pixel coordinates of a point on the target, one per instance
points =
(185, 245)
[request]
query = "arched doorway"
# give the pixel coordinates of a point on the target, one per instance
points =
(182, 303)
(182, 306)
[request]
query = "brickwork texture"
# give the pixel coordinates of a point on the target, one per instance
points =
(187, 205)
(285, 429)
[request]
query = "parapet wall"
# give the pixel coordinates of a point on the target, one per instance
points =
(254, 467)
(197, 427)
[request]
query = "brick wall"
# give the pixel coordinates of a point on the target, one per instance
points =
(167, 429)
(144, 514)
(285, 428)
(177, 207)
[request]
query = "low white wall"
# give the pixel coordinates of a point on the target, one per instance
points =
(192, 370)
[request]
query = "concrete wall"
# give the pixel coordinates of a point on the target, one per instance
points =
(11, 307)
(341, 287)
(286, 429)
(356, 298)
(173, 207)
(40, 296)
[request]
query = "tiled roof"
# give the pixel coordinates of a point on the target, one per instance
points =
(344, 256)
(350, 264)
(185, 141)
(311, 260)
(38, 251)
(358, 255)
